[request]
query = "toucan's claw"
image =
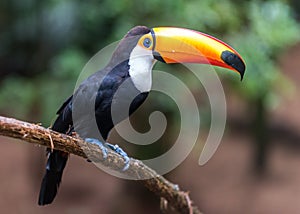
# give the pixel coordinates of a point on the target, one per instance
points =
(121, 152)
(115, 148)
(98, 143)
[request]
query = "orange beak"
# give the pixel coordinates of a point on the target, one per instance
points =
(178, 45)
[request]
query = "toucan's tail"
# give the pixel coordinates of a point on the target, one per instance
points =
(56, 159)
(54, 169)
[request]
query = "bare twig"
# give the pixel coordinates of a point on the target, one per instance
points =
(32, 133)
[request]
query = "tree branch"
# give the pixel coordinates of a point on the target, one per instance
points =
(169, 193)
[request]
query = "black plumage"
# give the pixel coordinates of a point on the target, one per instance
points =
(92, 101)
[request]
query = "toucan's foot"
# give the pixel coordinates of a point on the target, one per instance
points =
(98, 143)
(121, 152)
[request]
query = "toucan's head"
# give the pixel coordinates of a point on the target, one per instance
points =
(177, 45)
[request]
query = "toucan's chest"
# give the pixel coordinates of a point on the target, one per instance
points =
(117, 98)
(114, 95)
(118, 94)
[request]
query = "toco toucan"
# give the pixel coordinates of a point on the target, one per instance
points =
(131, 62)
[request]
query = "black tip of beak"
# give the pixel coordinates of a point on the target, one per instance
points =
(234, 61)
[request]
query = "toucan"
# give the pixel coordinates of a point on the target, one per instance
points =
(131, 62)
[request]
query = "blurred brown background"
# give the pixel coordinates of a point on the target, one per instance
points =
(44, 46)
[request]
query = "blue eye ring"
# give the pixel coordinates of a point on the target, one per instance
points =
(147, 43)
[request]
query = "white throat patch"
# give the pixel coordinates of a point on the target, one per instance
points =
(141, 62)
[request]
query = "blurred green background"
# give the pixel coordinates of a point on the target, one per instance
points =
(44, 46)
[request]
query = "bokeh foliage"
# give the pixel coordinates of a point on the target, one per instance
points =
(271, 30)
(45, 44)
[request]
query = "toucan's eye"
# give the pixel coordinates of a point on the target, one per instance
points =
(147, 42)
